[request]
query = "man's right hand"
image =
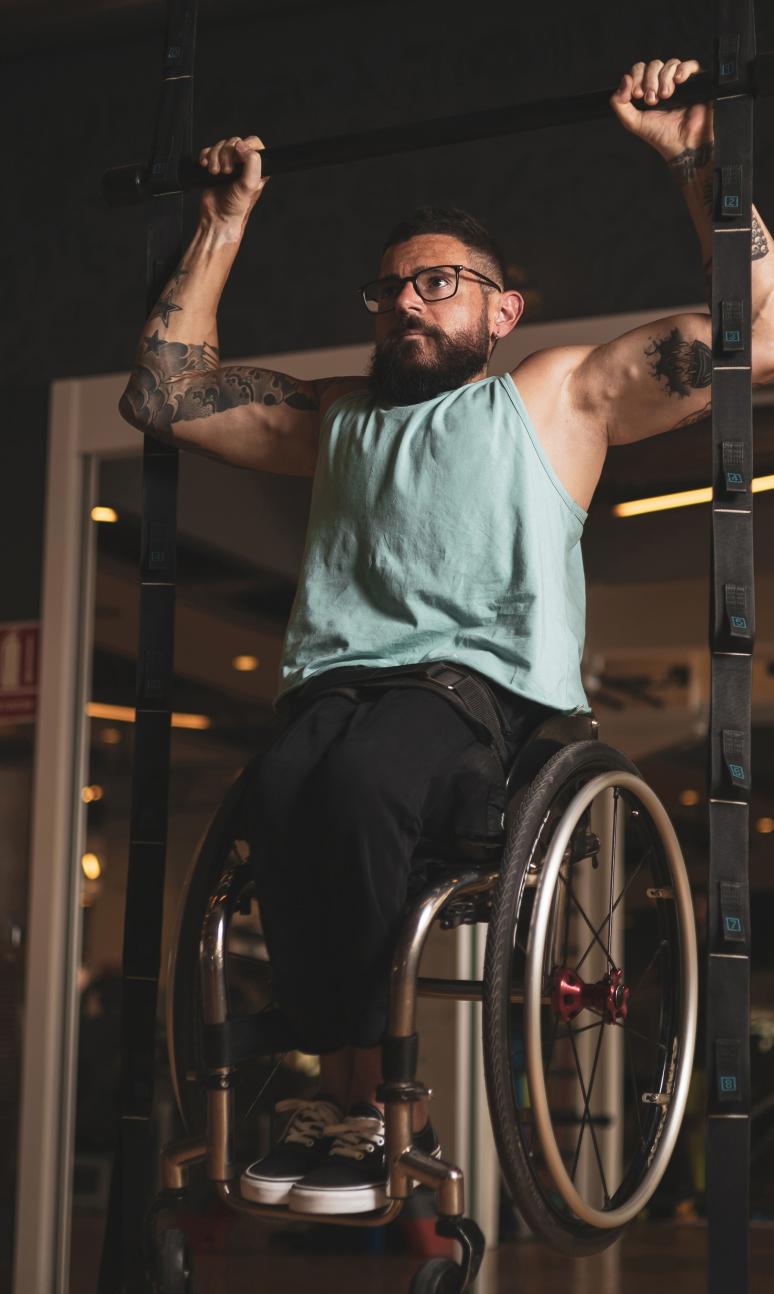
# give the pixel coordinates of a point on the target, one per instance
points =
(235, 202)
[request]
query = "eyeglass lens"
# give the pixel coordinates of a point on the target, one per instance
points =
(433, 284)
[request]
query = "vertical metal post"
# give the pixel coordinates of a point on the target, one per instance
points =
(123, 1257)
(732, 626)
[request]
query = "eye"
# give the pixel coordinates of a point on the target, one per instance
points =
(388, 291)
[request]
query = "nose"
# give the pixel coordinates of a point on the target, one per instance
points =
(408, 300)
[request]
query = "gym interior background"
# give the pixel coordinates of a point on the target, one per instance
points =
(592, 225)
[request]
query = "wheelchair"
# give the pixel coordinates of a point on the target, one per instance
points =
(590, 987)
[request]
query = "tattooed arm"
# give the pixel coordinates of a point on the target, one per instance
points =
(684, 137)
(179, 391)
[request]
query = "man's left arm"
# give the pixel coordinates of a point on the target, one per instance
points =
(658, 377)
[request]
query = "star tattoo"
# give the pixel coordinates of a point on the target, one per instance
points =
(153, 344)
(164, 308)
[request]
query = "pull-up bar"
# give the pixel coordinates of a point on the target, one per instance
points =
(128, 184)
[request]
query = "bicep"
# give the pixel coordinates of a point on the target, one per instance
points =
(243, 415)
(650, 380)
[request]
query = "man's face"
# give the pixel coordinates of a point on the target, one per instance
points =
(426, 347)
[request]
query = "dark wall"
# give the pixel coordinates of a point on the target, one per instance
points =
(588, 216)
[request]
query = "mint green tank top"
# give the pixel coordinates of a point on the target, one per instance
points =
(440, 531)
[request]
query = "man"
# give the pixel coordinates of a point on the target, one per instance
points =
(445, 525)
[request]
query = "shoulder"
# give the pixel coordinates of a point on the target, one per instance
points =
(563, 416)
(331, 389)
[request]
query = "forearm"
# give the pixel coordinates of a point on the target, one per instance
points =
(175, 373)
(693, 168)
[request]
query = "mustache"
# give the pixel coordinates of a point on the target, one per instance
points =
(412, 325)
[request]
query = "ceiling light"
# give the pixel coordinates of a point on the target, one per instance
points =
(90, 794)
(689, 797)
(126, 714)
(245, 663)
(91, 867)
(765, 826)
(682, 499)
(104, 514)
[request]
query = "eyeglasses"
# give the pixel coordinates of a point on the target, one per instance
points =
(433, 283)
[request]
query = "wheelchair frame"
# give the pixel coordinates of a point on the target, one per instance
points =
(229, 1040)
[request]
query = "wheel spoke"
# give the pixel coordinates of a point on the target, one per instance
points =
(633, 1075)
(598, 932)
(641, 979)
(634, 1033)
(594, 933)
(611, 908)
(586, 1120)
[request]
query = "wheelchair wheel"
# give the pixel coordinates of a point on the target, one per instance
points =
(174, 1268)
(590, 998)
(248, 971)
(438, 1276)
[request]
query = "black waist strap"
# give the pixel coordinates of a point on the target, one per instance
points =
(464, 689)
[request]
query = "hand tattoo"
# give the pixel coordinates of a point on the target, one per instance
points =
(180, 382)
(685, 366)
(687, 164)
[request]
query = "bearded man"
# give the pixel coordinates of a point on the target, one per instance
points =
(443, 547)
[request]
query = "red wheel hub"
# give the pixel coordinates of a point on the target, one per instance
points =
(608, 997)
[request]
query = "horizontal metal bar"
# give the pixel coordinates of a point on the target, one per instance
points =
(743, 804)
(463, 990)
(735, 957)
(742, 512)
(129, 184)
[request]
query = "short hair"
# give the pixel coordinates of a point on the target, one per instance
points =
(456, 223)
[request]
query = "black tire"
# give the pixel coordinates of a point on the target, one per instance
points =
(511, 1106)
(438, 1276)
(215, 856)
(174, 1266)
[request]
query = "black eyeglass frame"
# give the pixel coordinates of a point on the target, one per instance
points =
(412, 278)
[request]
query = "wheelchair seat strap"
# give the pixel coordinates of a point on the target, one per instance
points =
(465, 690)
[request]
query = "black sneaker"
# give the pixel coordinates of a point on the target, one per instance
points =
(302, 1147)
(354, 1176)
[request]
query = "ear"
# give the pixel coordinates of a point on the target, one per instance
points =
(509, 312)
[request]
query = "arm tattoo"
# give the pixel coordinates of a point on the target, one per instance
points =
(687, 164)
(179, 382)
(163, 309)
(685, 366)
(693, 417)
(760, 246)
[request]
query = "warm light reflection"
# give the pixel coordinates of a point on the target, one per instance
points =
(765, 826)
(681, 499)
(245, 663)
(104, 514)
(91, 867)
(689, 797)
(90, 794)
(125, 714)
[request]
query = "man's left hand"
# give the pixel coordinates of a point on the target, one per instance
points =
(652, 84)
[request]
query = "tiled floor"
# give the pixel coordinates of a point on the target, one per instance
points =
(240, 1257)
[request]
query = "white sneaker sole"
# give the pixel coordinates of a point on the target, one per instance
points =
(357, 1199)
(267, 1192)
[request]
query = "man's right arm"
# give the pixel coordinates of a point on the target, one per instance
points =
(178, 390)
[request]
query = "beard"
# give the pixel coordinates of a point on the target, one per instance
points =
(405, 372)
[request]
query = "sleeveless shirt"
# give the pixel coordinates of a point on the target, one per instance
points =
(440, 531)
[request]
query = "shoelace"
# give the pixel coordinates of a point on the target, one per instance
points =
(356, 1136)
(310, 1119)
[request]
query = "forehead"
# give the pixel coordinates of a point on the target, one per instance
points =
(425, 249)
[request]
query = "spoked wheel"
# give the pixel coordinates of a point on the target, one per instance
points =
(220, 855)
(590, 998)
